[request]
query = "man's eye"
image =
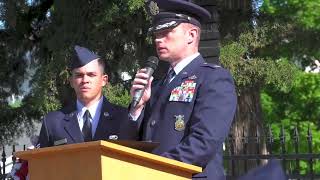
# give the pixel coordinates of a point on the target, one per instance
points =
(91, 75)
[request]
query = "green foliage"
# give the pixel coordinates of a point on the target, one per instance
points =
(37, 40)
(296, 143)
(249, 70)
(299, 107)
(306, 13)
(301, 103)
(117, 94)
(295, 29)
(15, 104)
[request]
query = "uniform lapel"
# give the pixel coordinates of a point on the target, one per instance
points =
(106, 122)
(71, 124)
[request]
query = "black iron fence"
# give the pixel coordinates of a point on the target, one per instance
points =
(300, 158)
(7, 161)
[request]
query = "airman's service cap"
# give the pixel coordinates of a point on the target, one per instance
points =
(170, 13)
(81, 57)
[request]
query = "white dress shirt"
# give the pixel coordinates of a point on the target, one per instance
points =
(95, 111)
(183, 63)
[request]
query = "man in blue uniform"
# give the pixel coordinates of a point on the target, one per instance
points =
(189, 112)
(91, 117)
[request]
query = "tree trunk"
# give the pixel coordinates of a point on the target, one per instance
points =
(227, 16)
(247, 130)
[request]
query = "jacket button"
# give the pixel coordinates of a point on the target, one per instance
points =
(153, 122)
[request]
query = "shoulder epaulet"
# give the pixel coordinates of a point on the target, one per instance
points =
(213, 66)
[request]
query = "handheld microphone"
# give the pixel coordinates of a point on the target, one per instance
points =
(151, 66)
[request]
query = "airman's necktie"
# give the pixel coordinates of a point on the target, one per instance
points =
(86, 129)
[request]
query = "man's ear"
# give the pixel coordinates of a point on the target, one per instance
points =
(105, 79)
(193, 34)
(70, 81)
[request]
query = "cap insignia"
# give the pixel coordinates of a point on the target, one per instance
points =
(154, 8)
(166, 25)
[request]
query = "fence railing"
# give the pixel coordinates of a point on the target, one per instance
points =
(299, 157)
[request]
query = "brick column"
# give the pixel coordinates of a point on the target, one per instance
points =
(209, 44)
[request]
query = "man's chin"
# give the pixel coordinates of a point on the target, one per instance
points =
(164, 57)
(84, 98)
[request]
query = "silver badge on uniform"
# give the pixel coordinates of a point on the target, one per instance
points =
(179, 125)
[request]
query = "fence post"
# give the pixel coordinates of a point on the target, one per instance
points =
(244, 152)
(310, 151)
(13, 157)
(270, 140)
(283, 147)
(257, 139)
(231, 153)
(3, 163)
(296, 148)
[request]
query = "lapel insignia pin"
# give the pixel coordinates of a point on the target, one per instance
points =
(71, 114)
(185, 72)
(153, 8)
(106, 114)
(179, 125)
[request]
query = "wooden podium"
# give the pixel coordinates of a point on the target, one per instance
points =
(101, 160)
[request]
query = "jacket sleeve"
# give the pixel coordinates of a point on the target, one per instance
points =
(44, 137)
(210, 121)
(130, 127)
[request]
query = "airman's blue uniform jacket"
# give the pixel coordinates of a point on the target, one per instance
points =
(63, 124)
(191, 117)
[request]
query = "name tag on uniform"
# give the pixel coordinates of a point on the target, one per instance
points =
(60, 142)
(184, 92)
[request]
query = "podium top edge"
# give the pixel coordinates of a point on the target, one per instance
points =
(107, 146)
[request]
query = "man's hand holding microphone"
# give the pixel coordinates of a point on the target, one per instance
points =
(141, 86)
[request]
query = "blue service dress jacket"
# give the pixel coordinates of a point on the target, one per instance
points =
(63, 125)
(190, 117)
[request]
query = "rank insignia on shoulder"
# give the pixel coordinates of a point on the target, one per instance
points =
(179, 125)
(192, 77)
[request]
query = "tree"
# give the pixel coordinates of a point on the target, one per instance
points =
(260, 48)
(38, 36)
(295, 108)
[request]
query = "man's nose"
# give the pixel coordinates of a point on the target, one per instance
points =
(157, 41)
(85, 79)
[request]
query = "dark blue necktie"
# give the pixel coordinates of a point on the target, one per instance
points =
(169, 76)
(86, 129)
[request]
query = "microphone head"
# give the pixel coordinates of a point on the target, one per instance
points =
(152, 62)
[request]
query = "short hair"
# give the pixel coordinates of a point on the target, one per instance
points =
(102, 65)
(196, 27)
